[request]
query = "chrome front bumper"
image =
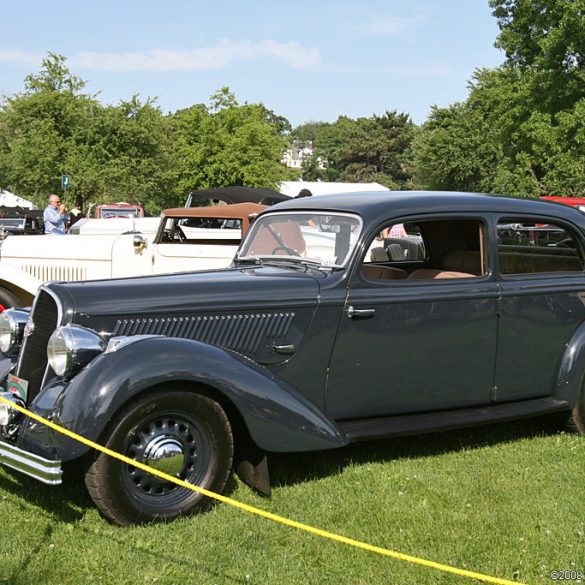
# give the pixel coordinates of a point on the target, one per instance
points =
(44, 470)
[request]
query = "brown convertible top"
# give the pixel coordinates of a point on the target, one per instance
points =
(240, 211)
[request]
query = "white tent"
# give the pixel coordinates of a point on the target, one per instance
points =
(9, 199)
(292, 188)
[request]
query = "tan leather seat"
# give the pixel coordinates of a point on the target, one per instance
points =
(377, 272)
(432, 274)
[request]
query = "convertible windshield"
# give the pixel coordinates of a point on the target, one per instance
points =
(327, 239)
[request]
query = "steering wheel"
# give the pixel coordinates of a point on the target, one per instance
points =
(566, 243)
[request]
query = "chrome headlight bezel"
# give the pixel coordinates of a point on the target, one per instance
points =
(12, 322)
(71, 347)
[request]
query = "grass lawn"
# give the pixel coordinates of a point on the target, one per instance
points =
(506, 501)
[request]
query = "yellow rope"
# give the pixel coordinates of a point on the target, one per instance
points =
(263, 513)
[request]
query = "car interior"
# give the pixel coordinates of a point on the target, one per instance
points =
(446, 249)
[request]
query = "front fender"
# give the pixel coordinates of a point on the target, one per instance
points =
(15, 279)
(278, 417)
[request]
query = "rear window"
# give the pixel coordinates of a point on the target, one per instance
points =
(527, 247)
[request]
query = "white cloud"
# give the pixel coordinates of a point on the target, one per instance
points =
(223, 54)
(18, 57)
(220, 56)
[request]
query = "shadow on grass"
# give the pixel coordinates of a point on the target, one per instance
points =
(67, 502)
(70, 501)
(292, 468)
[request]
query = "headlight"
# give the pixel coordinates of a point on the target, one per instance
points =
(12, 322)
(71, 347)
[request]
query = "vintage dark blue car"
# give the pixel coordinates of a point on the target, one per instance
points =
(343, 318)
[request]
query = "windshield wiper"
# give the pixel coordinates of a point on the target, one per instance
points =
(294, 262)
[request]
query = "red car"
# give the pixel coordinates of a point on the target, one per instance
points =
(109, 210)
(578, 202)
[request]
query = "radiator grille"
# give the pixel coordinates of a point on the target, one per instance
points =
(243, 333)
(46, 272)
(33, 355)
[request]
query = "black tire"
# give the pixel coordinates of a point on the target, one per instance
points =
(192, 428)
(8, 299)
(576, 422)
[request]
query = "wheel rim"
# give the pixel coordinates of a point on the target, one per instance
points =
(172, 443)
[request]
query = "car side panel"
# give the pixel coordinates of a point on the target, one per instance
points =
(428, 345)
(539, 315)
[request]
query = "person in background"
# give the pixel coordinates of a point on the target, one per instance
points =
(75, 214)
(55, 216)
(394, 231)
(304, 193)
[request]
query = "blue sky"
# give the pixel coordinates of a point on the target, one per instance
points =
(304, 59)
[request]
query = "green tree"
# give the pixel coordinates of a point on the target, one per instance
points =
(546, 37)
(130, 151)
(40, 127)
(521, 129)
(307, 133)
(226, 144)
(375, 149)
(122, 155)
(453, 151)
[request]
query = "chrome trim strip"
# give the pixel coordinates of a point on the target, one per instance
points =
(44, 470)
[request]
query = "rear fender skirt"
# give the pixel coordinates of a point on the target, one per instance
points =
(277, 416)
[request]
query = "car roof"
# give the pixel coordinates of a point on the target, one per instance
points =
(376, 204)
(235, 211)
(236, 194)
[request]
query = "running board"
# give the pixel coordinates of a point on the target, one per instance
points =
(429, 422)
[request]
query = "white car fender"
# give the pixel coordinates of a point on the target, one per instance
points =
(18, 278)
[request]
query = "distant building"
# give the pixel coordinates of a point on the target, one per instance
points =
(292, 188)
(294, 156)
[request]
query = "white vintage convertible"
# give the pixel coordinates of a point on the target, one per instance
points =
(182, 239)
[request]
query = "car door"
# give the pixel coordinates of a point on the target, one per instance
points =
(542, 287)
(418, 343)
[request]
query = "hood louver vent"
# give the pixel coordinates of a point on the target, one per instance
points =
(241, 333)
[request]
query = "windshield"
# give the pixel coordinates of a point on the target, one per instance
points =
(324, 238)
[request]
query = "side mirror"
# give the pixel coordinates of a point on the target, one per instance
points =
(138, 242)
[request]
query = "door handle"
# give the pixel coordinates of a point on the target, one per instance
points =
(360, 313)
(287, 349)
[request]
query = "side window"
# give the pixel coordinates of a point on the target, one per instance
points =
(527, 247)
(395, 244)
(433, 249)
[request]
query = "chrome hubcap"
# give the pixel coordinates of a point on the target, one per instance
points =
(168, 444)
(165, 454)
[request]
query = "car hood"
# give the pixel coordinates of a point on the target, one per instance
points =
(213, 291)
(249, 310)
